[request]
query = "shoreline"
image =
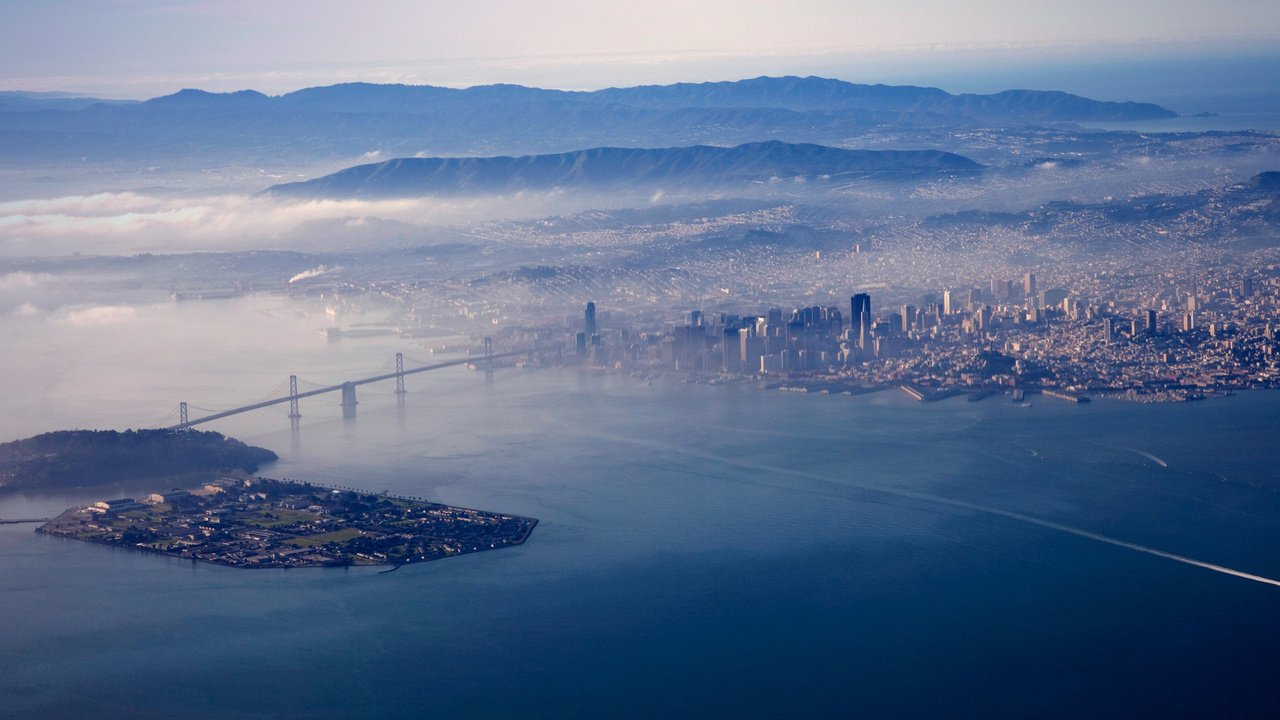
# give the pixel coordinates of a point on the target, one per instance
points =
(263, 523)
(828, 386)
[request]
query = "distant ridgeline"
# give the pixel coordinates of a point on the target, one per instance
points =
(796, 94)
(1269, 180)
(700, 166)
(75, 458)
(402, 120)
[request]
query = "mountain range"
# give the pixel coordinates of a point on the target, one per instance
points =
(796, 94)
(325, 123)
(607, 168)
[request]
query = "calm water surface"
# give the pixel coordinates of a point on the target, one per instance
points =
(702, 551)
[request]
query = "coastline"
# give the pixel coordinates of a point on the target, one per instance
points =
(262, 523)
(840, 385)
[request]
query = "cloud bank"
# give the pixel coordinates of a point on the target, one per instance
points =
(96, 315)
(133, 222)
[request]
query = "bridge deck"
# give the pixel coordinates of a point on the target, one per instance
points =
(361, 381)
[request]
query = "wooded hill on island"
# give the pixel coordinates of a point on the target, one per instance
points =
(80, 458)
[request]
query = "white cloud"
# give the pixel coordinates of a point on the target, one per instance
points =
(196, 217)
(23, 280)
(130, 222)
(95, 315)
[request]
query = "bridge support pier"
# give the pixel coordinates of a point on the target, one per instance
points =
(488, 360)
(348, 400)
(400, 374)
(293, 397)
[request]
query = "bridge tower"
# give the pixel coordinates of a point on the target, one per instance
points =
(400, 374)
(488, 354)
(293, 397)
(348, 399)
(182, 414)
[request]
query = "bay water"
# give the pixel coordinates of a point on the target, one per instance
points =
(702, 551)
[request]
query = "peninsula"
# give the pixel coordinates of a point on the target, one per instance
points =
(255, 522)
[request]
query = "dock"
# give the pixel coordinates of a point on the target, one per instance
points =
(1062, 395)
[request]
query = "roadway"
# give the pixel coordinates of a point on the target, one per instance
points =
(362, 381)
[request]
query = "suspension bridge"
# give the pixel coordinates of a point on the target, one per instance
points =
(348, 388)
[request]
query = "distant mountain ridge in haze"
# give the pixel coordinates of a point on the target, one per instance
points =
(798, 94)
(816, 93)
(632, 168)
(343, 121)
(19, 101)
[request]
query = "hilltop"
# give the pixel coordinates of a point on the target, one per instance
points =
(632, 168)
(80, 458)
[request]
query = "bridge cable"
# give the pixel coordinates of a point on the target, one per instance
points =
(164, 421)
(277, 391)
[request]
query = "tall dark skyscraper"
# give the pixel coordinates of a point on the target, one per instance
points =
(860, 320)
(589, 319)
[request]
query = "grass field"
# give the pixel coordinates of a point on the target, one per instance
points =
(282, 517)
(315, 540)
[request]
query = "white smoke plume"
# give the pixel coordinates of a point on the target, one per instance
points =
(313, 272)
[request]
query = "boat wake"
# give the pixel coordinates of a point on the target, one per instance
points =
(939, 500)
(1149, 456)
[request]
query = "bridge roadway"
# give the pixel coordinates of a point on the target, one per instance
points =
(362, 381)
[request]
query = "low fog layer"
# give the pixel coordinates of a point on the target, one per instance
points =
(128, 222)
(134, 222)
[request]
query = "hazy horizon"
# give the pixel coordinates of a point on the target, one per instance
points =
(1107, 72)
(141, 48)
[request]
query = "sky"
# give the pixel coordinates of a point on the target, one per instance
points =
(143, 48)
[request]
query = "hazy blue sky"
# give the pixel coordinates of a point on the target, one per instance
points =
(138, 48)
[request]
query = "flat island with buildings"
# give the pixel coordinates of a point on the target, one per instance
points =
(255, 522)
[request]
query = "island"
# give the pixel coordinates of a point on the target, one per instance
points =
(255, 522)
(82, 458)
